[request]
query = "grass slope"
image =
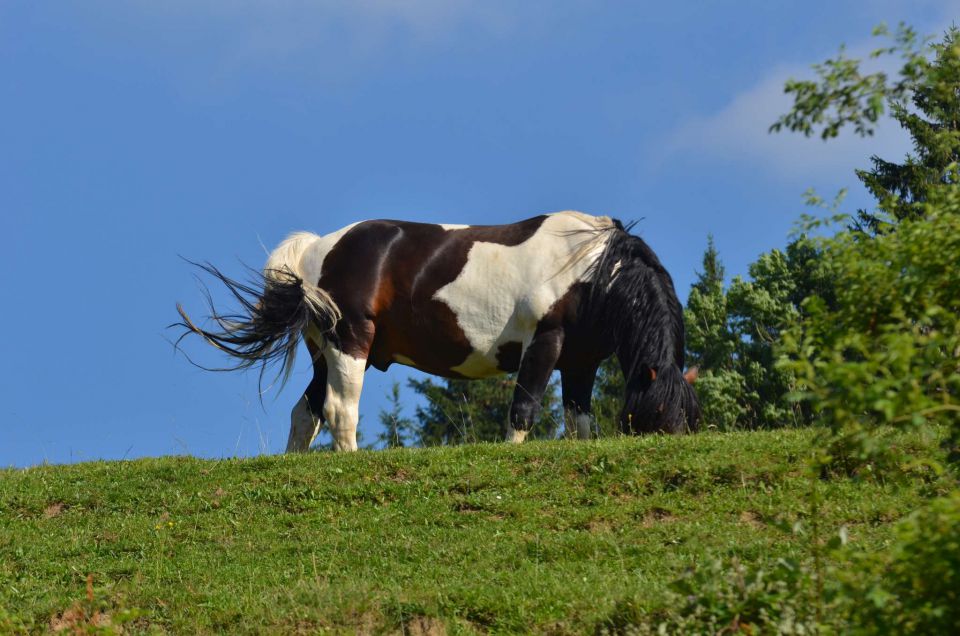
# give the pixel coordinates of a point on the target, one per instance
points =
(544, 537)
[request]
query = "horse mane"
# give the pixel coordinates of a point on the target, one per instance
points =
(633, 304)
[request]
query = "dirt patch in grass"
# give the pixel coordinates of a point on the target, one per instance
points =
(657, 516)
(600, 526)
(751, 519)
(78, 621)
(401, 476)
(425, 626)
(53, 510)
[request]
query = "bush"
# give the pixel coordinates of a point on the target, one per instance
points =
(875, 350)
(722, 399)
(914, 588)
(911, 588)
(888, 353)
(722, 598)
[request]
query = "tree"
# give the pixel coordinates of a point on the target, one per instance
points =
(883, 349)
(733, 334)
(875, 346)
(934, 127)
(887, 352)
(397, 429)
(928, 81)
(759, 310)
(460, 411)
(711, 345)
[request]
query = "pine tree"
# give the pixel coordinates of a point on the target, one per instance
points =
(934, 127)
(733, 334)
(924, 98)
(713, 271)
(710, 344)
(760, 309)
(397, 429)
(461, 411)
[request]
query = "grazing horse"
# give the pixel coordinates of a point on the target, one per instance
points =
(559, 291)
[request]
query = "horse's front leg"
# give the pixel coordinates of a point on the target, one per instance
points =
(537, 364)
(577, 387)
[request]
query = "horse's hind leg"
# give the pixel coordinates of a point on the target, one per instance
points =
(341, 407)
(577, 387)
(537, 364)
(306, 418)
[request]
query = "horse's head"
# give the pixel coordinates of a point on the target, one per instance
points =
(661, 400)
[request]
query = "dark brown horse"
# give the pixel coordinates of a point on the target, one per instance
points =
(561, 291)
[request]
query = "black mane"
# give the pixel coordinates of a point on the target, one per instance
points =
(632, 303)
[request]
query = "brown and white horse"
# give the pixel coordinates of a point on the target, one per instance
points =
(560, 291)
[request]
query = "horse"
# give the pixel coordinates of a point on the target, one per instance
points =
(558, 291)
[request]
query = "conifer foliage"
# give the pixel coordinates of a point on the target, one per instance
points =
(933, 123)
(460, 411)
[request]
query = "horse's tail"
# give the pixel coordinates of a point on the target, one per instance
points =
(276, 307)
(632, 303)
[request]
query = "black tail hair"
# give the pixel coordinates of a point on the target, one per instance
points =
(633, 304)
(274, 312)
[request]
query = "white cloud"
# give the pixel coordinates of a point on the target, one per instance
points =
(739, 132)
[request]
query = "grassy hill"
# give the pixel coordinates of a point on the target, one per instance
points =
(548, 537)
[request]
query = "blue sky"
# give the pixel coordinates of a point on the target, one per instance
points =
(135, 132)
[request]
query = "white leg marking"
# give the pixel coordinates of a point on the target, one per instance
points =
(304, 426)
(584, 425)
(516, 436)
(342, 406)
(577, 425)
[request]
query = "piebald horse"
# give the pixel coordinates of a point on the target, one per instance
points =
(559, 291)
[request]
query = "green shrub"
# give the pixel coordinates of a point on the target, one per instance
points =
(722, 399)
(888, 353)
(734, 598)
(914, 587)
(911, 588)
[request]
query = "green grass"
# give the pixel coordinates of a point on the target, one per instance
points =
(545, 537)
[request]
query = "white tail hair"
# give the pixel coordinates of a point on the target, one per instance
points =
(289, 257)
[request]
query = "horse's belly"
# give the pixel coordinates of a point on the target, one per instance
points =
(431, 347)
(477, 365)
(497, 338)
(503, 292)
